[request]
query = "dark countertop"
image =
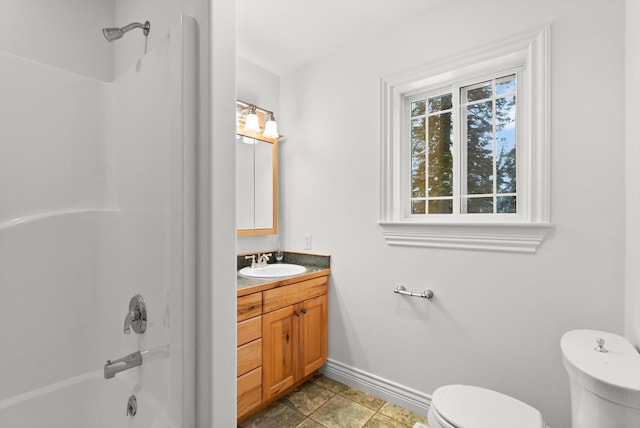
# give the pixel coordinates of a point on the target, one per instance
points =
(317, 265)
(253, 285)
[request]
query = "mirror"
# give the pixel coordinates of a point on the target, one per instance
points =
(256, 180)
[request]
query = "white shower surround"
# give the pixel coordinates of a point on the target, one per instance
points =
(97, 203)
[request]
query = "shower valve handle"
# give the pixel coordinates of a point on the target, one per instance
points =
(136, 319)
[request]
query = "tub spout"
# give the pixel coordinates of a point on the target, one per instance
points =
(121, 364)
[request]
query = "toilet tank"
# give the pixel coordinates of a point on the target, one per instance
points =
(605, 386)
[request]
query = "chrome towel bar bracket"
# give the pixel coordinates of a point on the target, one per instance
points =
(426, 294)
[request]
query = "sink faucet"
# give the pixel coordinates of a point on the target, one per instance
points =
(122, 364)
(258, 260)
(263, 259)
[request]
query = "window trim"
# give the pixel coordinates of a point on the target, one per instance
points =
(518, 234)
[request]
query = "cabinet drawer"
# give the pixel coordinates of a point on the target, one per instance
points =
(313, 287)
(249, 330)
(291, 294)
(249, 391)
(280, 297)
(249, 356)
(249, 306)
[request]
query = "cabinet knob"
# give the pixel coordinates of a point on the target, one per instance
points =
(297, 313)
(304, 311)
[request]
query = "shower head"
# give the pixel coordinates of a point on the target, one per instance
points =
(114, 33)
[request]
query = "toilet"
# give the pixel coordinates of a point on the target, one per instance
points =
(604, 379)
(466, 406)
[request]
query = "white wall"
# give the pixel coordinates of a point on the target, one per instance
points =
(162, 15)
(262, 88)
(65, 34)
(632, 156)
(497, 318)
(216, 342)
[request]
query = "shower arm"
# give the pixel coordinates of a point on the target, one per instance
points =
(145, 27)
(115, 33)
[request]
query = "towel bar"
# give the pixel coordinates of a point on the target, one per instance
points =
(426, 294)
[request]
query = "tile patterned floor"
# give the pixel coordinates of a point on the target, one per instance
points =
(325, 403)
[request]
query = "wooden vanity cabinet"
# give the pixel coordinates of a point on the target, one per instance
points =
(293, 337)
(294, 344)
(294, 334)
(249, 367)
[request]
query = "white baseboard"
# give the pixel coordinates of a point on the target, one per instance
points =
(392, 392)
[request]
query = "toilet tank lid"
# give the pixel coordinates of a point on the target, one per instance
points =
(465, 406)
(614, 375)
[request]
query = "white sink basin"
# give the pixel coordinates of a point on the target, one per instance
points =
(275, 270)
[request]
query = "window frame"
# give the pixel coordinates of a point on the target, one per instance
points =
(528, 55)
(459, 155)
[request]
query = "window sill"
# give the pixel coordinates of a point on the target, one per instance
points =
(503, 237)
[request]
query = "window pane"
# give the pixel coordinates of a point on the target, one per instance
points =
(506, 144)
(440, 155)
(480, 205)
(441, 206)
(417, 108)
(418, 207)
(506, 204)
(418, 158)
(506, 85)
(440, 103)
(479, 93)
(480, 148)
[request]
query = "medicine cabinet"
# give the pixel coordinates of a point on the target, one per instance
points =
(256, 179)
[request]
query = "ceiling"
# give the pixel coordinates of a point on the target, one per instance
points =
(282, 35)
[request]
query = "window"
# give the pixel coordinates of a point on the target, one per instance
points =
(465, 150)
(471, 129)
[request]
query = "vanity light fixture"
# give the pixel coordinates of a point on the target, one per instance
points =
(251, 122)
(271, 127)
(250, 117)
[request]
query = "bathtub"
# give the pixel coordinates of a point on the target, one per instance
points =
(84, 401)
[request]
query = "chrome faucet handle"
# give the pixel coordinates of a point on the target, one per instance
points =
(252, 258)
(128, 319)
(136, 318)
(265, 257)
(600, 347)
(261, 259)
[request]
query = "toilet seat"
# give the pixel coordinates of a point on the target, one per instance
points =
(465, 406)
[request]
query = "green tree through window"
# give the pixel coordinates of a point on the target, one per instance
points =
(487, 115)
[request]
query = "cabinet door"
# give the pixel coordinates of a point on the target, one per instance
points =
(280, 350)
(313, 335)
